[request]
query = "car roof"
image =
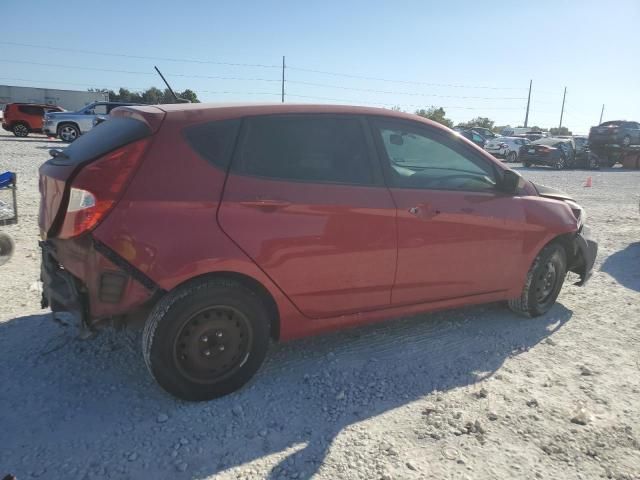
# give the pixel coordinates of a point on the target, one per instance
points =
(216, 111)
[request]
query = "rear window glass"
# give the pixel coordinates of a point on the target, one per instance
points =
(107, 136)
(214, 141)
(317, 148)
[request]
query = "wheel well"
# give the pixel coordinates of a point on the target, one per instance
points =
(62, 124)
(566, 241)
(257, 288)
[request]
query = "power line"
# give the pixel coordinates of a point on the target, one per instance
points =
(79, 67)
(400, 93)
(139, 57)
(256, 65)
(453, 85)
(395, 104)
(85, 85)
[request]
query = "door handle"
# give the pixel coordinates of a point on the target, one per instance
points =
(265, 203)
(423, 212)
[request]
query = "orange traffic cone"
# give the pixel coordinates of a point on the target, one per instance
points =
(588, 183)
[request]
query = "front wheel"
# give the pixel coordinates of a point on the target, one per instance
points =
(544, 282)
(68, 132)
(206, 339)
(512, 157)
(20, 130)
(626, 141)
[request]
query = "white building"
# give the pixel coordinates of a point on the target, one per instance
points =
(68, 99)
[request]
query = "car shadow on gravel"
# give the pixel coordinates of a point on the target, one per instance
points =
(72, 407)
(623, 266)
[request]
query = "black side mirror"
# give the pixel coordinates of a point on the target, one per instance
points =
(511, 181)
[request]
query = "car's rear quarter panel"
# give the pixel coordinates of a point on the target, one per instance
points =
(165, 225)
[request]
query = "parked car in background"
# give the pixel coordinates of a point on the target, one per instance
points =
(616, 133)
(368, 200)
(25, 118)
(486, 133)
(581, 143)
(554, 152)
(68, 126)
(514, 131)
(474, 137)
(507, 148)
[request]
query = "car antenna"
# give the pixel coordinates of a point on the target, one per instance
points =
(178, 99)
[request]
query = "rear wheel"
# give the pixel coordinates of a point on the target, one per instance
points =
(68, 132)
(544, 282)
(20, 130)
(206, 339)
(526, 164)
(512, 157)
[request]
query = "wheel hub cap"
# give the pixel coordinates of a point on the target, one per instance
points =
(546, 282)
(212, 344)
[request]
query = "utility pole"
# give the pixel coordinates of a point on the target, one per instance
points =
(526, 117)
(283, 66)
(562, 111)
(601, 113)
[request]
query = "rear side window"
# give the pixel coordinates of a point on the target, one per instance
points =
(311, 148)
(32, 110)
(214, 141)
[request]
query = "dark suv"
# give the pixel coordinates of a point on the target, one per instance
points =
(25, 118)
(223, 227)
(617, 133)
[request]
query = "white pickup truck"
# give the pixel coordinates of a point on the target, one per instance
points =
(68, 126)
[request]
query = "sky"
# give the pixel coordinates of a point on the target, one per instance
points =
(472, 58)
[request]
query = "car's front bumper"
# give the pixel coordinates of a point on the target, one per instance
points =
(586, 252)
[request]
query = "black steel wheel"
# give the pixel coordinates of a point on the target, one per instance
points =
(206, 339)
(543, 283)
(213, 344)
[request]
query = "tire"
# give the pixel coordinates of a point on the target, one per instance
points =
(68, 132)
(512, 157)
(526, 164)
(544, 282)
(20, 130)
(206, 339)
(6, 248)
(626, 141)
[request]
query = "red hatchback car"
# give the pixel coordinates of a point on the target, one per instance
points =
(224, 227)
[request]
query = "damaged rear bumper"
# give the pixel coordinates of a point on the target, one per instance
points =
(90, 281)
(585, 255)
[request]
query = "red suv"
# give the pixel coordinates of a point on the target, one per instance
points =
(25, 118)
(224, 227)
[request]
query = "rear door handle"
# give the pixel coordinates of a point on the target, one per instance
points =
(265, 203)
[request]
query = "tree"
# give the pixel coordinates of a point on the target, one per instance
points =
(437, 114)
(560, 131)
(483, 122)
(151, 96)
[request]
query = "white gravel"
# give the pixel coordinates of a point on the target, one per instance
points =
(477, 393)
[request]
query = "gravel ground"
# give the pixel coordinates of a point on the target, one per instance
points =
(477, 393)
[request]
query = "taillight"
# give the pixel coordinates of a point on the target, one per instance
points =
(98, 187)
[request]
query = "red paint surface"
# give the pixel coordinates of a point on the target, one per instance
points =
(331, 256)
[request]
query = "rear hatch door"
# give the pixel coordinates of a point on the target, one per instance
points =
(127, 125)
